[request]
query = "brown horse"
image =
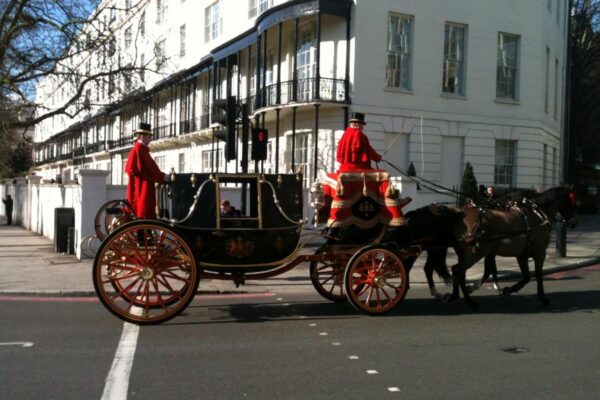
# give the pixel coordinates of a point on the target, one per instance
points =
(522, 233)
(558, 203)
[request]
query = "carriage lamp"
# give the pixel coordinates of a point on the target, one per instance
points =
(172, 174)
(193, 180)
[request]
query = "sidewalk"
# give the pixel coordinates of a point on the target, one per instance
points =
(28, 265)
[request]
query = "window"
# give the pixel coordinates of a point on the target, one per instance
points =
(112, 47)
(127, 36)
(504, 166)
(160, 161)
(305, 65)
(160, 54)
(212, 22)
(549, 5)
(182, 41)
(555, 88)
(182, 166)
(113, 15)
(111, 84)
(207, 160)
(507, 66)
(399, 51)
(454, 59)
(161, 10)
(547, 80)
(142, 67)
(142, 24)
(558, 12)
(258, 6)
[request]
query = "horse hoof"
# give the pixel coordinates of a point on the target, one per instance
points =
(505, 291)
(447, 298)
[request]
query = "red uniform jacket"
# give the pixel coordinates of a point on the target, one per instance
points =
(354, 152)
(143, 172)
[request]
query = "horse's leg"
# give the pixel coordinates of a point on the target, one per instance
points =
(488, 269)
(435, 259)
(525, 276)
(459, 275)
(538, 261)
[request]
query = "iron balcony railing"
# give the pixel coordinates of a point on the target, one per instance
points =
(304, 90)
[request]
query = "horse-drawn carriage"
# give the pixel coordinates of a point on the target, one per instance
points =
(148, 271)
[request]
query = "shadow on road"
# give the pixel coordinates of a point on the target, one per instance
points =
(561, 302)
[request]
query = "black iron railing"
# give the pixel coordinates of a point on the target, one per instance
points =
(304, 90)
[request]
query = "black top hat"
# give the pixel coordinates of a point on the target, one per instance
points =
(358, 117)
(143, 129)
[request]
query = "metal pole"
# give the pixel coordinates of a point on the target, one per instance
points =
(561, 228)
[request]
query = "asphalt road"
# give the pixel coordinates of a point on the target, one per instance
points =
(299, 346)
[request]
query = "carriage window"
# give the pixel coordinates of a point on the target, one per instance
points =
(238, 202)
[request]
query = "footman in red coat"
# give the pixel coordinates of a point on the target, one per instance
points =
(143, 174)
(354, 152)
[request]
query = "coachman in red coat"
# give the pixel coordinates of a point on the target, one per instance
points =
(354, 152)
(143, 173)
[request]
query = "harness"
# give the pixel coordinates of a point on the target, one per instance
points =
(480, 235)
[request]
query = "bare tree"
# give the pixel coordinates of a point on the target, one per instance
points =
(584, 140)
(54, 54)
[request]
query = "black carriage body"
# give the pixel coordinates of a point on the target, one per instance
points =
(264, 236)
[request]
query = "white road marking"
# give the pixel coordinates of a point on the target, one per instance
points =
(353, 357)
(312, 324)
(22, 344)
(279, 298)
(394, 389)
(336, 344)
(372, 372)
(117, 380)
(323, 334)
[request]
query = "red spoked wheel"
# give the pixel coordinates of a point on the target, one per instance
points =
(327, 275)
(145, 272)
(375, 281)
(110, 216)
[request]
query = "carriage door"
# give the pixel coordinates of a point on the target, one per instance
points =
(305, 63)
(451, 161)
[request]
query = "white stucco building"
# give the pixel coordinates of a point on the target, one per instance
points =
(442, 83)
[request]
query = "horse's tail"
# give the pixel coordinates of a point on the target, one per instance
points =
(436, 258)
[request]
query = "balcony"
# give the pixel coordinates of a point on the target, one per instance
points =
(305, 90)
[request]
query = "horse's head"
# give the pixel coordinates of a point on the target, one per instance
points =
(470, 227)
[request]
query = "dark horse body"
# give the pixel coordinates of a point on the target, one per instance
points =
(520, 233)
(557, 203)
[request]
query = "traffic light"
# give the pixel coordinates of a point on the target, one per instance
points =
(260, 138)
(224, 112)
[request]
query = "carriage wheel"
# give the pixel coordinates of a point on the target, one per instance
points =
(110, 216)
(327, 276)
(145, 273)
(375, 281)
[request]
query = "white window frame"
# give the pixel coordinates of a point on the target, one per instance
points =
(547, 81)
(505, 157)
(160, 162)
(160, 51)
(454, 66)
(127, 35)
(182, 32)
(213, 21)
(257, 7)
(399, 51)
(305, 62)
(162, 9)
(507, 66)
